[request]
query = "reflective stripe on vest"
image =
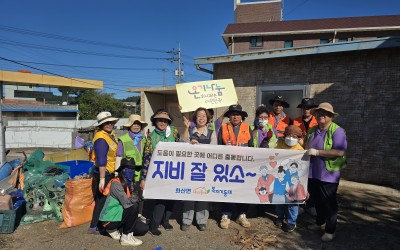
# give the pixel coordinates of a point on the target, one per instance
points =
(112, 148)
(229, 135)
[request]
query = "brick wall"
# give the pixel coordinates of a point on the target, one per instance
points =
(363, 87)
(258, 12)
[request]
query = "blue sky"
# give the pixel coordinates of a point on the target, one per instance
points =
(148, 28)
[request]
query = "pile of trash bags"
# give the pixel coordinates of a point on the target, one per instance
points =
(44, 190)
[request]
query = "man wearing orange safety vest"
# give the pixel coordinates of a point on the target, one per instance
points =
(278, 119)
(235, 133)
(307, 120)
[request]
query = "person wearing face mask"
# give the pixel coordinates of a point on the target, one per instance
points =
(165, 132)
(264, 135)
(119, 215)
(278, 119)
(131, 145)
(235, 133)
(290, 211)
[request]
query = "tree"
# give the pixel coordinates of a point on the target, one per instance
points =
(92, 102)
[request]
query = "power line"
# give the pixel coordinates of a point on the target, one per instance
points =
(35, 46)
(73, 39)
(296, 7)
(91, 67)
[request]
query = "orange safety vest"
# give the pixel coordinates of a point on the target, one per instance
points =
(229, 135)
(299, 123)
(106, 191)
(282, 124)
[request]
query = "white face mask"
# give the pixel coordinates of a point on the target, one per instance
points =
(290, 141)
(263, 123)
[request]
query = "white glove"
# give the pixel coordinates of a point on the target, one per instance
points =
(101, 184)
(117, 165)
(313, 152)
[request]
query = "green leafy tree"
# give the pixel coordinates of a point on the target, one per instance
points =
(92, 102)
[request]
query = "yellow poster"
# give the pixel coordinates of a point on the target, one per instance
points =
(206, 94)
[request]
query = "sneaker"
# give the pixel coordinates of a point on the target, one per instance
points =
(115, 234)
(93, 230)
(202, 227)
(289, 227)
(225, 221)
(243, 221)
(327, 237)
(278, 222)
(316, 227)
(168, 227)
(143, 219)
(185, 227)
(155, 233)
(130, 240)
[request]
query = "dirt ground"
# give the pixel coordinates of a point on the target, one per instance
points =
(369, 218)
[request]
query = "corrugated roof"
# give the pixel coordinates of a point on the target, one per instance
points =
(313, 24)
(46, 108)
(378, 43)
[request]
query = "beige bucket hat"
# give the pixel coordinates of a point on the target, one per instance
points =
(132, 119)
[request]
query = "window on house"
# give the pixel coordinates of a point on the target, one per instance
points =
(343, 40)
(324, 41)
(256, 41)
(288, 44)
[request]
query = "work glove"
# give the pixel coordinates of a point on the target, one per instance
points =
(101, 184)
(117, 165)
(313, 152)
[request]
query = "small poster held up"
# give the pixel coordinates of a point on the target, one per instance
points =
(207, 94)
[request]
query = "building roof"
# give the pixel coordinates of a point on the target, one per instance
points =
(25, 78)
(365, 23)
(378, 43)
(45, 108)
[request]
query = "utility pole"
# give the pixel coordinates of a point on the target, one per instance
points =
(3, 124)
(179, 72)
(164, 79)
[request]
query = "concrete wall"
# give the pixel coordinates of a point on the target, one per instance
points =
(363, 87)
(48, 133)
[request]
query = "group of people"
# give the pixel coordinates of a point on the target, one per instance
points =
(122, 165)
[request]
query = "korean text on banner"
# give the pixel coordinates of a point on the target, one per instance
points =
(206, 94)
(179, 171)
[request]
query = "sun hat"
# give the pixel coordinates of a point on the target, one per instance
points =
(105, 116)
(128, 163)
(327, 107)
(293, 130)
(307, 103)
(162, 115)
(235, 109)
(132, 119)
(279, 99)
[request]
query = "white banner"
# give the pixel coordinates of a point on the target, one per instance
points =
(181, 171)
